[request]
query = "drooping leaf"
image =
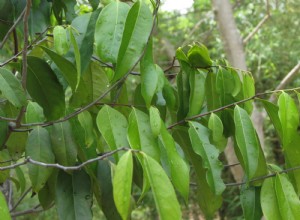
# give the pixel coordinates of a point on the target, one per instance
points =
(109, 29)
(73, 196)
(225, 86)
(77, 56)
(136, 33)
(61, 43)
(178, 167)
(11, 88)
(248, 144)
(44, 88)
(163, 192)
(155, 120)
(63, 144)
(4, 211)
(34, 113)
(212, 97)
(140, 136)
(250, 200)
(216, 127)
(289, 118)
(86, 122)
(198, 56)
(21, 178)
(199, 136)
(113, 126)
(47, 193)
(38, 148)
(122, 183)
(248, 90)
(197, 92)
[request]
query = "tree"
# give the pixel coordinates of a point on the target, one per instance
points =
(91, 115)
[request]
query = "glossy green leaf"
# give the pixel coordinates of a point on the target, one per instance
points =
(250, 200)
(178, 167)
(197, 92)
(248, 90)
(288, 200)
(247, 143)
(225, 86)
(113, 126)
(155, 120)
(268, 200)
(109, 30)
(63, 144)
(162, 189)
(198, 56)
(289, 118)
(212, 97)
(34, 113)
(122, 183)
(169, 95)
(136, 33)
(38, 148)
(199, 136)
(86, 121)
(77, 56)
(73, 196)
(11, 88)
(140, 136)
(67, 68)
(4, 161)
(4, 211)
(61, 43)
(216, 126)
(44, 88)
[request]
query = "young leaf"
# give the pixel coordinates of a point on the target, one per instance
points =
(247, 143)
(136, 33)
(197, 92)
(113, 126)
(38, 148)
(198, 56)
(61, 43)
(268, 200)
(122, 184)
(250, 200)
(11, 88)
(199, 136)
(216, 126)
(45, 89)
(73, 196)
(163, 192)
(155, 120)
(63, 144)
(289, 118)
(109, 29)
(4, 211)
(178, 167)
(140, 135)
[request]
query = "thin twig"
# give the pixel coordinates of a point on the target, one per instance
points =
(20, 199)
(30, 211)
(232, 165)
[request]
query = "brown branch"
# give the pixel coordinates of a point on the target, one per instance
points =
(20, 199)
(12, 28)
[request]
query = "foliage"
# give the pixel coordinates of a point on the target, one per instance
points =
(93, 129)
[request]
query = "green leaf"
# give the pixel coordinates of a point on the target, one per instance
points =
(155, 120)
(178, 167)
(113, 126)
(288, 200)
(86, 121)
(3, 129)
(34, 113)
(45, 89)
(67, 68)
(77, 56)
(109, 29)
(73, 196)
(11, 88)
(250, 200)
(63, 144)
(16, 144)
(140, 136)
(163, 191)
(38, 148)
(47, 193)
(197, 92)
(137, 30)
(122, 183)
(225, 86)
(199, 136)
(248, 90)
(216, 126)
(61, 43)
(212, 97)
(289, 118)
(248, 144)
(198, 56)
(268, 200)
(4, 157)
(4, 211)
(21, 178)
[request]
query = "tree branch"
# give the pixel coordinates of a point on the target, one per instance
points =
(20, 199)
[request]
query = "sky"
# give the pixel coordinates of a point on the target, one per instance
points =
(180, 5)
